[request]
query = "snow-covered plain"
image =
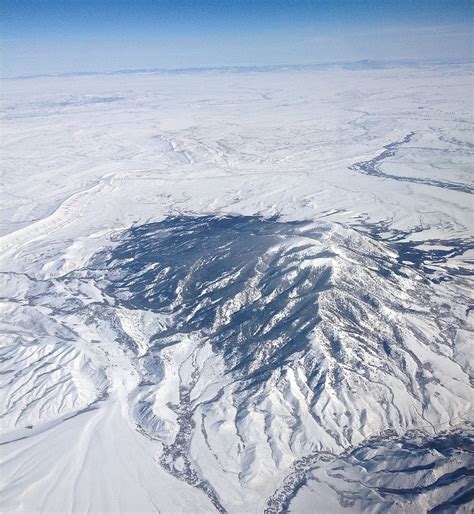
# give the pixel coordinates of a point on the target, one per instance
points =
(240, 291)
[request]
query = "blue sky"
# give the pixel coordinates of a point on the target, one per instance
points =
(81, 35)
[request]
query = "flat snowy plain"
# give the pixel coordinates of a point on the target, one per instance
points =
(238, 290)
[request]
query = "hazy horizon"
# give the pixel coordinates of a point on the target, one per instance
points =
(63, 37)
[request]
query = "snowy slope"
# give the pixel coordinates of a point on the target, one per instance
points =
(241, 292)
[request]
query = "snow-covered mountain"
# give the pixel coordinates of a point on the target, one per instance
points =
(238, 292)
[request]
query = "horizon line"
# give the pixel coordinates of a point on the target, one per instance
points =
(369, 63)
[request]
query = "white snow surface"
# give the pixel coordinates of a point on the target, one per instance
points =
(96, 418)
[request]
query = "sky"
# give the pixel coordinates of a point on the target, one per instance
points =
(63, 36)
